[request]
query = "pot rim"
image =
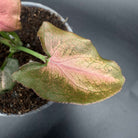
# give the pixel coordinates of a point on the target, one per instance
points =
(39, 5)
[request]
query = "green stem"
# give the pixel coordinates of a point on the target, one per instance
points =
(31, 52)
(5, 61)
(16, 48)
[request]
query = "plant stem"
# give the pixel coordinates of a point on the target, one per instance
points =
(5, 61)
(31, 52)
(17, 48)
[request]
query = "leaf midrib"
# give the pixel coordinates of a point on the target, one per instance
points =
(61, 66)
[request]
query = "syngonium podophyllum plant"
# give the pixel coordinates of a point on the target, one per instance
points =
(72, 71)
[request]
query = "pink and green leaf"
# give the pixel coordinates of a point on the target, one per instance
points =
(6, 82)
(75, 72)
(10, 15)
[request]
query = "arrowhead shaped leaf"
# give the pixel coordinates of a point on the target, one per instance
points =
(6, 81)
(10, 15)
(75, 72)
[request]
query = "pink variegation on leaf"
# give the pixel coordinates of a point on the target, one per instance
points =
(75, 72)
(10, 15)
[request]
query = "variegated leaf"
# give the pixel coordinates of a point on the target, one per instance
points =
(6, 81)
(75, 72)
(10, 15)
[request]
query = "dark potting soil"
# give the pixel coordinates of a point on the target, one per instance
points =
(20, 99)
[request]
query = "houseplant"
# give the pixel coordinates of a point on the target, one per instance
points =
(73, 71)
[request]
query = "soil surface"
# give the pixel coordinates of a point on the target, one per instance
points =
(20, 100)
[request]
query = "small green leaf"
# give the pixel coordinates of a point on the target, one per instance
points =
(75, 72)
(17, 41)
(5, 35)
(13, 37)
(6, 42)
(6, 82)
